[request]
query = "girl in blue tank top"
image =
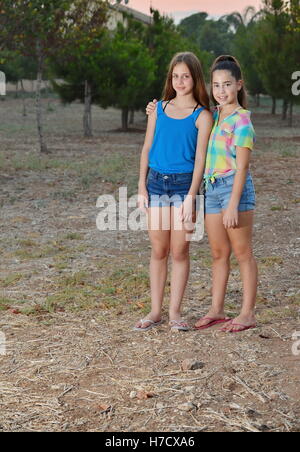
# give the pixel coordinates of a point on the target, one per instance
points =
(171, 171)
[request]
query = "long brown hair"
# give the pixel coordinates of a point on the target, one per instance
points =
(231, 64)
(199, 90)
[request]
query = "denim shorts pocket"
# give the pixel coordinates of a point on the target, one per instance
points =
(228, 181)
(248, 195)
(154, 185)
(151, 175)
(251, 193)
(244, 195)
(250, 187)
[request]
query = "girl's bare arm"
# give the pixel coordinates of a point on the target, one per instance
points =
(204, 124)
(230, 218)
(144, 162)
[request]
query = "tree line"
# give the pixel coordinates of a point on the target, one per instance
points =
(124, 67)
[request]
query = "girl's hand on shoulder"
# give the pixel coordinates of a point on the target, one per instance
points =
(231, 218)
(143, 200)
(151, 107)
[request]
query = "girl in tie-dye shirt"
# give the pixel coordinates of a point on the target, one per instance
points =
(230, 195)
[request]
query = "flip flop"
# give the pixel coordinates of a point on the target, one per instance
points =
(244, 328)
(181, 326)
(212, 322)
(152, 325)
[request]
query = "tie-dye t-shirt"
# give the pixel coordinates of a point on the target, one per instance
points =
(235, 130)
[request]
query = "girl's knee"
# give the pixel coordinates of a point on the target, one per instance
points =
(243, 254)
(180, 254)
(221, 254)
(160, 253)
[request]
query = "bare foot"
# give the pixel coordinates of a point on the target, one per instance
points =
(145, 324)
(208, 318)
(175, 316)
(240, 323)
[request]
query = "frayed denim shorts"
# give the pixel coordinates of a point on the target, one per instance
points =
(167, 190)
(218, 193)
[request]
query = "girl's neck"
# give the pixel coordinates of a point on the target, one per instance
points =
(228, 109)
(184, 101)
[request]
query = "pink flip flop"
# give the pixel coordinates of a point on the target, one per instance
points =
(244, 328)
(212, 322)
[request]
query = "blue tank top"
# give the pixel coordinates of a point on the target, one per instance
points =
(174, 144)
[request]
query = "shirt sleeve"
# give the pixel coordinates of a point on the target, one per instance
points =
(244, 136)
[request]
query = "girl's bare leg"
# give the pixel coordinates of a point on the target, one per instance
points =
(159, 234)
(220, 250)
(180, 264)
(241, 241)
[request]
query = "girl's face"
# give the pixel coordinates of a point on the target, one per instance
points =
(182, 79)
(225, 87)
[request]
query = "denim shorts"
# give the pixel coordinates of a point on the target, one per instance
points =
(218, 193)
(166, 190)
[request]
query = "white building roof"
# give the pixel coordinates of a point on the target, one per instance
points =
(141, 17)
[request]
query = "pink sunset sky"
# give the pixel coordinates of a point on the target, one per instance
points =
(182, 8)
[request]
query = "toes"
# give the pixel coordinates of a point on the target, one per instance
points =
(145, 325)
(142, 325)
(227, 328)
(231, 329)
(202, 323)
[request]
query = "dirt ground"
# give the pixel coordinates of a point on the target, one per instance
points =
(70, 293)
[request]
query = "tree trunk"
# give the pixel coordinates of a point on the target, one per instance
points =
(47, 92)
(125, 112)
(273, 106)
(23, 99)
(87, 117)
(258, 100)
(131, 117)
(284, 109)
(290, 123)
(38, 104)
